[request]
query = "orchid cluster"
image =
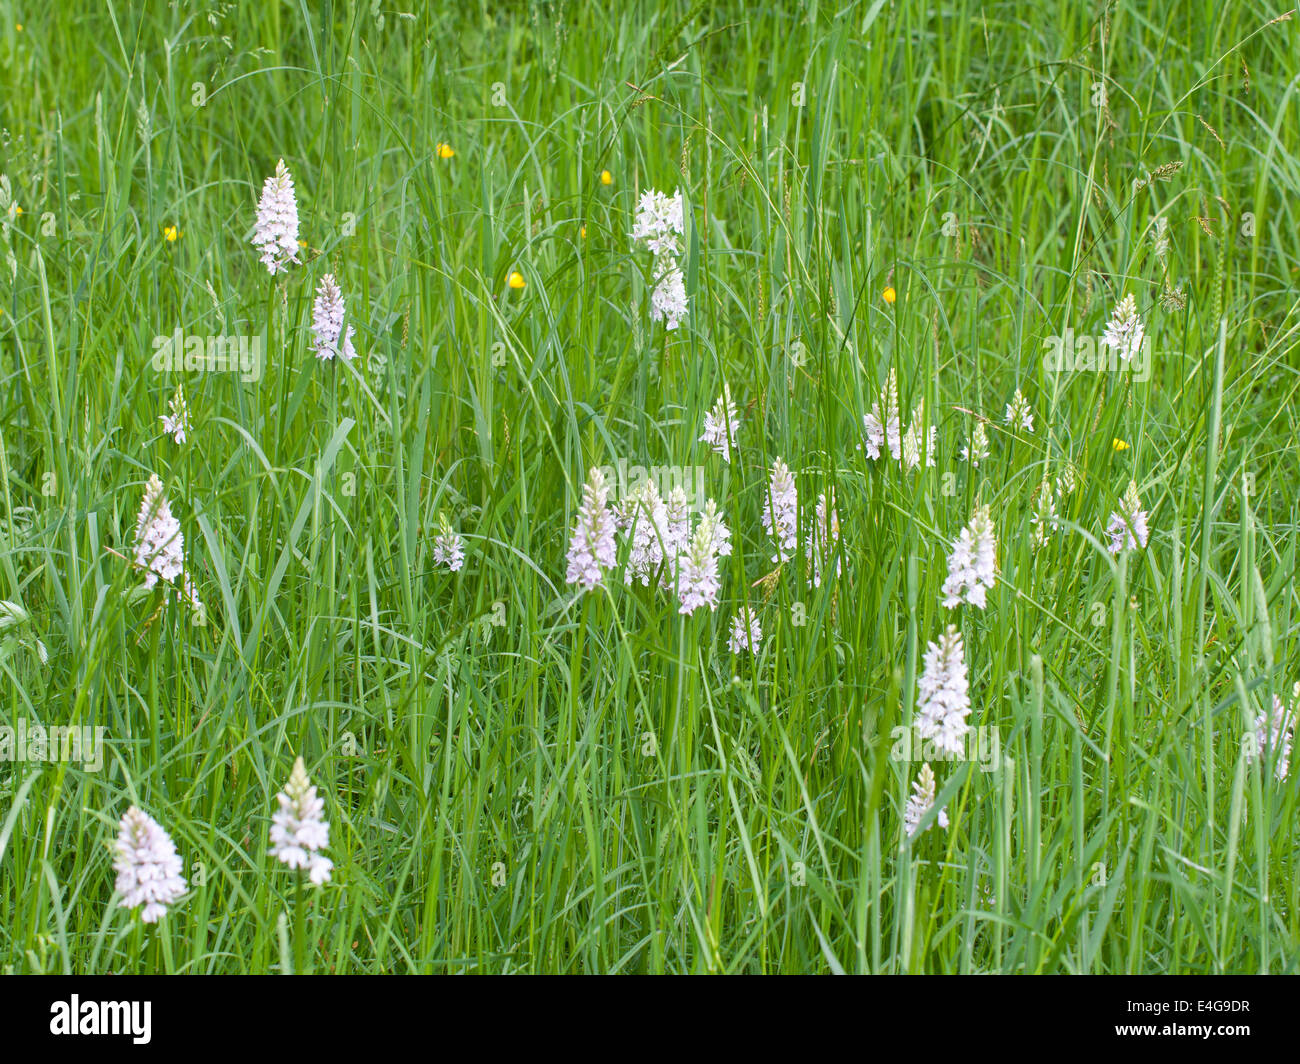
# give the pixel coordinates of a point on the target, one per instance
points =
(298, 831)
(722, 425)
(660, 222)
(883, 429)
(275, 232)
(159, 547)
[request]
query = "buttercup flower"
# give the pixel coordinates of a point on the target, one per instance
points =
(148, 868)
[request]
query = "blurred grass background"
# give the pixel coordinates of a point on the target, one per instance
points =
(519, 782)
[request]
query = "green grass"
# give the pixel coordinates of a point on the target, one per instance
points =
(598, 785)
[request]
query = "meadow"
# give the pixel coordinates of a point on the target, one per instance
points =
(468, 452)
